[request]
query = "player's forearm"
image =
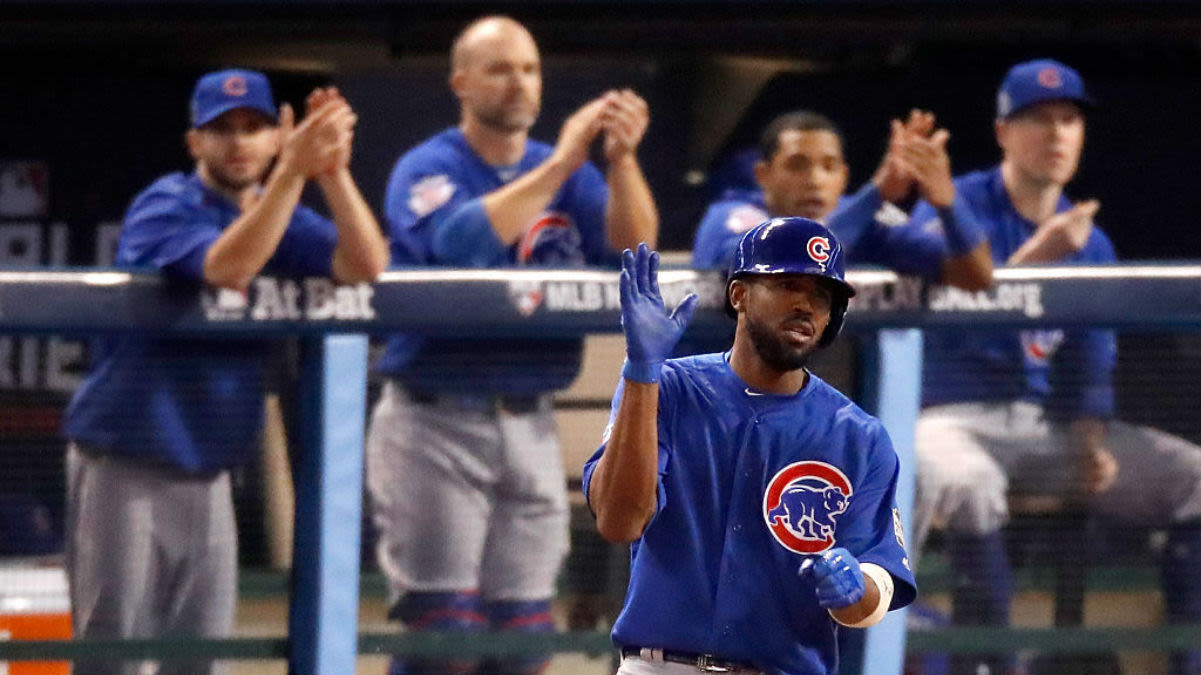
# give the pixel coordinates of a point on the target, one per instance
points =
(240, 253)
(630, 214)
(512, 207)
(622, 492)
(1089, 432)
(362, 252)
(856, 613)
(871, 608)
(972, 271)
(968, 259)
(1044, 246)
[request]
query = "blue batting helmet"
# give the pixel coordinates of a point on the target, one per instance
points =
(796, 246)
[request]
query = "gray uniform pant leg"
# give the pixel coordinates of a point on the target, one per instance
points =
(1159, 477)
(968, 456)
(528, 536)
(149, 554)
(959, 484)
(466, 500)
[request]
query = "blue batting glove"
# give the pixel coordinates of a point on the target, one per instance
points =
(836, 577)
(650, 332)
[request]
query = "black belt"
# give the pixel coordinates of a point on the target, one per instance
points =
(706, 663)
(513, 403)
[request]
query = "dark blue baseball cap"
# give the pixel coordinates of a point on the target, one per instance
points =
(218, 93)
(1033, 82)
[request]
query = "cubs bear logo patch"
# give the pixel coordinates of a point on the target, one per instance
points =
(552, 239)
(802, 503)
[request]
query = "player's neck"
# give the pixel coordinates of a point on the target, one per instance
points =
(1036, 201)
(751, 369)
(495, 146)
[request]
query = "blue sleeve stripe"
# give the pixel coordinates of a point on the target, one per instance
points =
(855, 216)
(962, 232)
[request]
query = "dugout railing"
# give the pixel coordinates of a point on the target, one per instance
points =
(335, 321)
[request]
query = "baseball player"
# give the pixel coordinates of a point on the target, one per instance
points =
(464, 469)
(1034, 409)
(158, 422)
(758, 500)
(801, 172)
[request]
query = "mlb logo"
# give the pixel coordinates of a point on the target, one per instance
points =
(743, 218)
(430, 193)
(526, 296)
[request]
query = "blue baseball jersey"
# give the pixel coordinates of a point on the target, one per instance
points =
(435, 217)
(195, 405)
(749, 484)
(871, 231)
(1070, 371)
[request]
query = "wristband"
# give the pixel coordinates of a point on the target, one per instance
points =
(883, 581)
(641, 372)
(960, 228)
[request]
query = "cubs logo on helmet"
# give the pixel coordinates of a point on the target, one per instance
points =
(802, 503)
(819, 250)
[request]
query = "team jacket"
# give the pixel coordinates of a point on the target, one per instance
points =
(435, 217)
(748, 485)
(195, 405)
(1070, 371)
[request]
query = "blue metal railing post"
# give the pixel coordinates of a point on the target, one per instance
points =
(893, 366)
(323, 617)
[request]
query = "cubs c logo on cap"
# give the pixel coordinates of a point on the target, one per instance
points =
(801, 505)
(234, 85)
(1050, 78)
(818, 249)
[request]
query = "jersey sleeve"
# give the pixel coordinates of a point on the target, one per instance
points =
(585, 196)
(920, 245)
(1084, 374)
(855, 216)
(307, 247)
(164, 231)
(432, 216)
(871, 528)
(720, 230)
(590, 465)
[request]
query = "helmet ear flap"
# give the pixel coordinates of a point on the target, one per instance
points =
(838, 315)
